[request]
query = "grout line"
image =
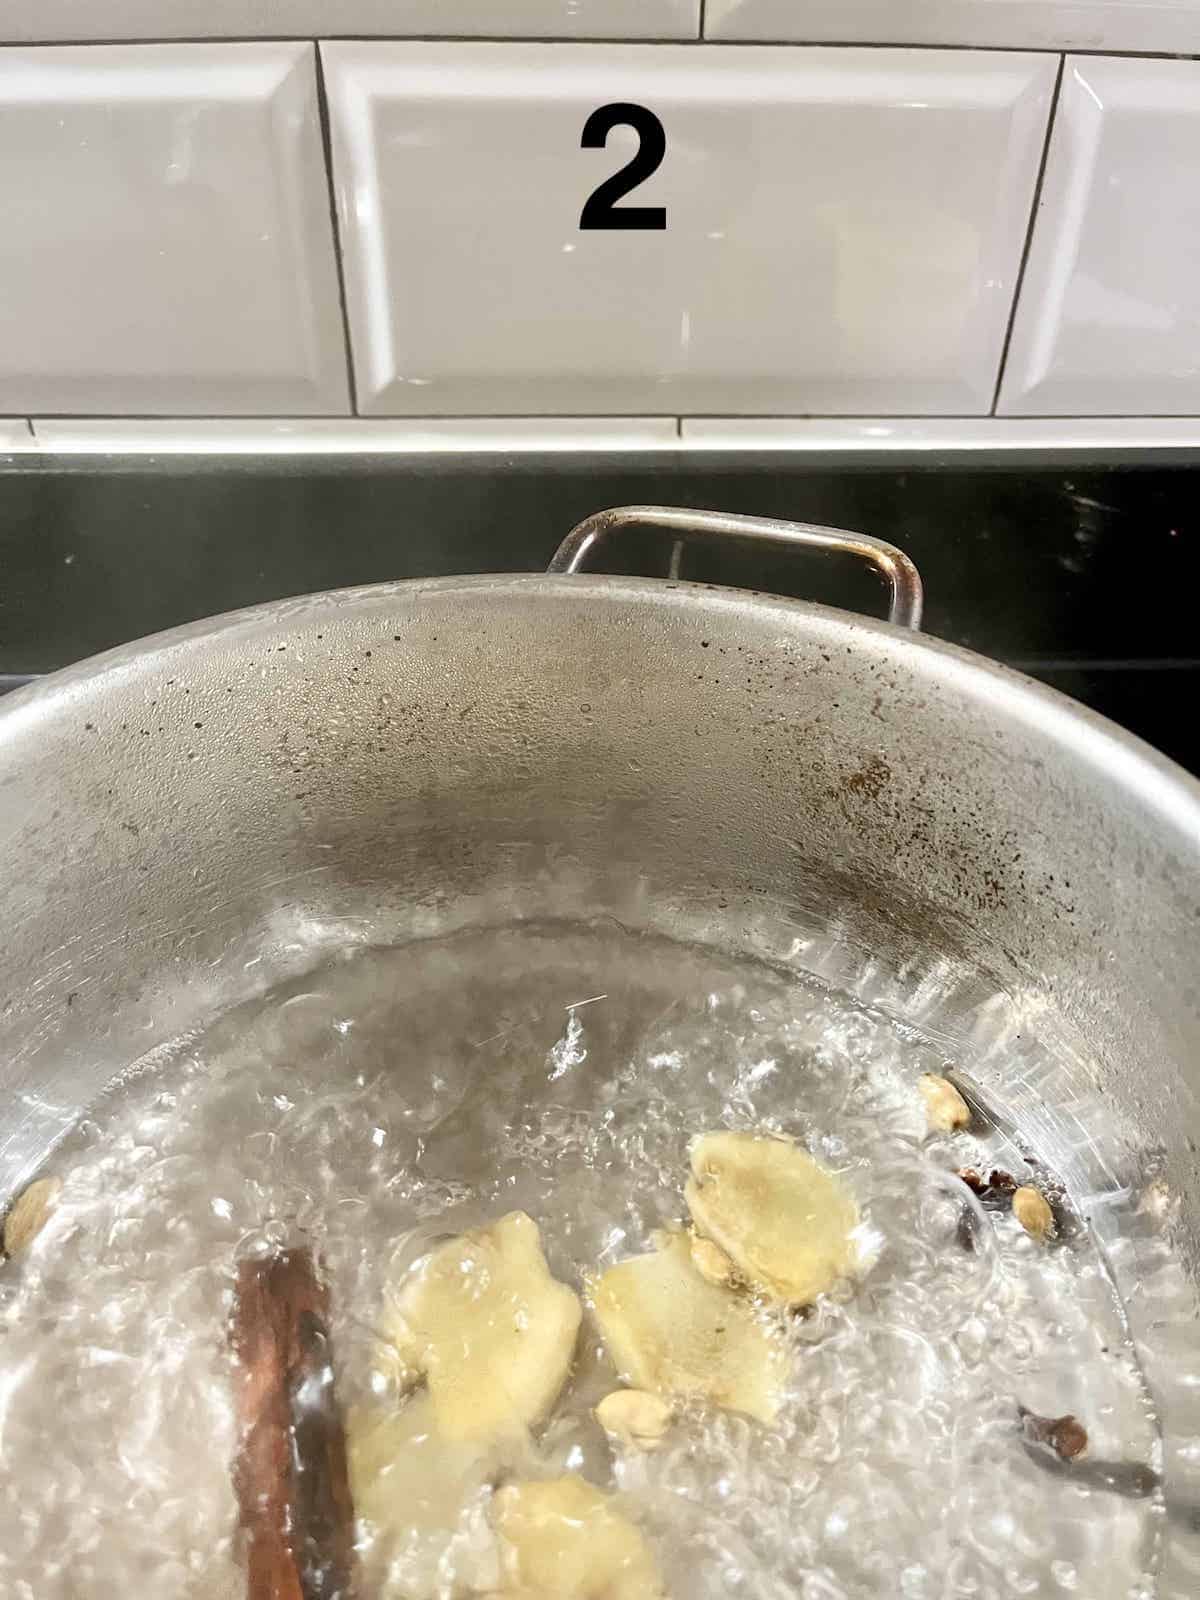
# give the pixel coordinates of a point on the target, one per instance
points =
(703, 20)
(902, 44)
(1031, 228)
(296, 37)
(327, 148)
(331, 36)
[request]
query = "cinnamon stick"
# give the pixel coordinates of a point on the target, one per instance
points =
(293, 1492)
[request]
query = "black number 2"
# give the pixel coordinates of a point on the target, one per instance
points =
(599, 211)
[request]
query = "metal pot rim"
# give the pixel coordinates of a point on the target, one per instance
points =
(1159, 783)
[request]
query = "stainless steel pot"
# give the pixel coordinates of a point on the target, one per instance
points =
(190, 819)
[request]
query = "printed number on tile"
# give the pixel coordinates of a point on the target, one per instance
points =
(601, 210)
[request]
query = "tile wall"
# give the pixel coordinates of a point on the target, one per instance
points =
(887, 215)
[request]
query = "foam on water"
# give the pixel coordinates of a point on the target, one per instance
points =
(400, 1095)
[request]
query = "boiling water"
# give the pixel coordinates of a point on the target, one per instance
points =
(401, 1095)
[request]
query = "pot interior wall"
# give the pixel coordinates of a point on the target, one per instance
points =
(187, 823)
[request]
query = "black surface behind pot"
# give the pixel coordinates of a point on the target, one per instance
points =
(1086, 576)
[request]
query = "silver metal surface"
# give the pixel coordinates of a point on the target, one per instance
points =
(187, 821)
(891, 562)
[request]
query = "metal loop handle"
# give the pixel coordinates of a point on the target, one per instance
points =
(902, 576)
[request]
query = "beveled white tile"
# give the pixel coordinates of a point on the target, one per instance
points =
(50, 20)
(1147, 25)
(351, 435)
(167, 242)
(843, 229)
(1108, 321)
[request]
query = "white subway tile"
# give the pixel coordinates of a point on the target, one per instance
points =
(1148, 25)
(31, 21)
(1109, 316)
(167, 242)
(843, 228)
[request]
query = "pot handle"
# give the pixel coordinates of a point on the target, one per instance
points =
(902, 576)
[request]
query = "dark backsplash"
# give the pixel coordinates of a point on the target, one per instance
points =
(1087, 577)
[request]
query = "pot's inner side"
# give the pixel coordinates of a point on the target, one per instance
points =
(399, 1095)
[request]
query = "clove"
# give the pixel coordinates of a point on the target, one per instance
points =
(1066, 1436)
(993, 1192)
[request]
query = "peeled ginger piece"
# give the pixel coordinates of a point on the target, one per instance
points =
(785, 1222)
(404, 1476)
(670, 1331)
(563, 1540)
(489, 1329)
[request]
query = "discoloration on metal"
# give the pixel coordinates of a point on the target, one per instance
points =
(871, 779)
(974, 854)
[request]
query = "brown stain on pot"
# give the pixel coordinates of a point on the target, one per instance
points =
(869, 780)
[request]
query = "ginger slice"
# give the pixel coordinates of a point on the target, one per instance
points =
(488, 1328)
(404, 1475)
(672, 1332)
(564, 1540)
(785, 1222)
